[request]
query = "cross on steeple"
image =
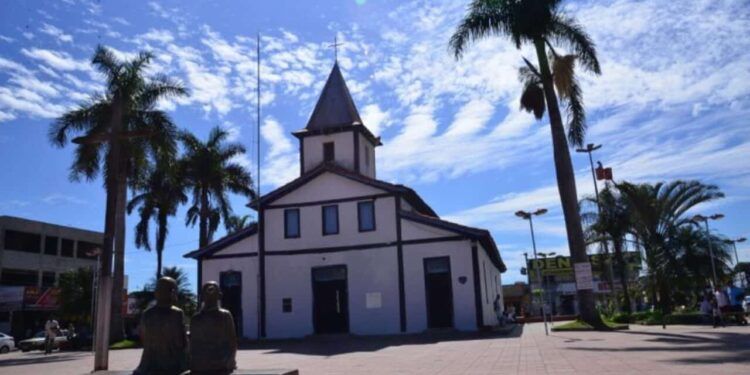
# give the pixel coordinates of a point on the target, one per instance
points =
(335, 46)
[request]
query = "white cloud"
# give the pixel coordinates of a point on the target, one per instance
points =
(56, 59)
(375, 118)
(281, 160)
(56, 33)
(58, 198)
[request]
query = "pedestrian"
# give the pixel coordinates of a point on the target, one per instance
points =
(50, 333)
(736, 296)
(499, 311)
(716, 312)
(722, 300)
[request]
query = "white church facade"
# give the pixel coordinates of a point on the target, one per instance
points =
(338, 251)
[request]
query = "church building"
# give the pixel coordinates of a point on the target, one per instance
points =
(338, 251)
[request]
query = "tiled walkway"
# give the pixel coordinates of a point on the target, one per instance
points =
(642, 350)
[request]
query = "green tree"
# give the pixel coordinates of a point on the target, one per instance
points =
(117, 131)
(186, 299)
(238, 223)
(658, 214)
(210, 173)
(158, 197)
(76, 295)
(611, 222)
(542, 23)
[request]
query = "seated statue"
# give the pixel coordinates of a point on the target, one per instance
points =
(213, 341)
(162, 332)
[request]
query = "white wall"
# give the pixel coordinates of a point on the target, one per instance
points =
(343, 144)
(489, 288)
(365, 146)
(411, 230)
(368, 271)
(464, 317)
(244, 246)
(328, 186)
(249, 268)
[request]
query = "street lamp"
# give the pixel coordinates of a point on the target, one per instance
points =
(529, 216)
(736, 257)
(705, 219)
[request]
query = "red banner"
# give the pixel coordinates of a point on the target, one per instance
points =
(35, 298)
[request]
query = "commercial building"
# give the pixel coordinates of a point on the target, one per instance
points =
(559, 283)
(338, 251)
(33, 254)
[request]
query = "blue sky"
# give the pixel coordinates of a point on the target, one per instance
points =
(672, 102)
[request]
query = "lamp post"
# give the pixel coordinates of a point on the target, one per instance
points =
(736, 256)
(529, 216)
(550, 299)
(705, 219)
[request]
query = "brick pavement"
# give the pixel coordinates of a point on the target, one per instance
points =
(642, 350)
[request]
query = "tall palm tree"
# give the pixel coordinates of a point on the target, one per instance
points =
(542, 23)
(210, 174)
(117, 130)
(612, 223)
(658, 213)
(237, 223)
(158, 198)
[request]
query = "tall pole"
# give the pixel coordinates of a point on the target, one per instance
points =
(538, 275)
(590, 148)
(257, 178)
(711, 252)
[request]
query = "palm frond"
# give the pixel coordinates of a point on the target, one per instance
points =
(563, 74)
(532, 99)
(566, 31)
(576, 115)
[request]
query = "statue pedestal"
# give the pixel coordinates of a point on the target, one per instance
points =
(236, 372)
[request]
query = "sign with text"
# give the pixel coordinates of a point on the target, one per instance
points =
(584, 277)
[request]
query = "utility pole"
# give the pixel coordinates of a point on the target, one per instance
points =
(700, 218)
(550, 299)
(529, 216)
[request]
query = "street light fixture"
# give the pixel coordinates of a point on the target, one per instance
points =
(529, 216)
(698, 219)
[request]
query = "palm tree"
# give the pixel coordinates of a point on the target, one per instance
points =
(542, 23)
(160, 194)
(238, 223)
(612, 223)
(210, 174)
(657, 213)
(118, 129)
(690, 262)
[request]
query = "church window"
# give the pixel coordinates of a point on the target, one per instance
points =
(330, 220)
(329, 152)
(366, 216)
(291, 223)
(286, 305)
(367, 157)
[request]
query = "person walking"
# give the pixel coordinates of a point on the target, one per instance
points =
(499, 311)
(50, 333)
(706, 308)
(716, 313)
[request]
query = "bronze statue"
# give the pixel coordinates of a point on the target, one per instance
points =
(162, 333)
(213, 341)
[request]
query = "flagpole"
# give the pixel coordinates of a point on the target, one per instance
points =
(257, 179)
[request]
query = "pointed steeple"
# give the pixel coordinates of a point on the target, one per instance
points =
(335, 107)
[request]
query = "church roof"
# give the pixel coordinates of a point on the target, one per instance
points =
(335, 110)
(335, 107)
(225, 241)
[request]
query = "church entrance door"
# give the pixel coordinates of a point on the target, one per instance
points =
(439, 293)
(330, 300)
(230, 283)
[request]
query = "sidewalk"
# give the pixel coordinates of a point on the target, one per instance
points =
(642, 350)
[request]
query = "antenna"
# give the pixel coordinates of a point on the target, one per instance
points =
(257, 156)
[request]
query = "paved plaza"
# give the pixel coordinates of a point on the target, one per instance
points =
(642, 350)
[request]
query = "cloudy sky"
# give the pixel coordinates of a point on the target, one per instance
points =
(672, 102)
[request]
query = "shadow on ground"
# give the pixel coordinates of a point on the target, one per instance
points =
(37, 358)
(727, 347)
(330, 345)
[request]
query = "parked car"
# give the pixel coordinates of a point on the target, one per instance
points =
(7, 343)
(746, 304)
(37, 342)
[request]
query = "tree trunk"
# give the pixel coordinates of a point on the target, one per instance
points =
(204, 212)
(566, 184)
(117, 326)
(623, 274)
(161, 236)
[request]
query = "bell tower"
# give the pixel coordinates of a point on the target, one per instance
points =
(335, 132)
